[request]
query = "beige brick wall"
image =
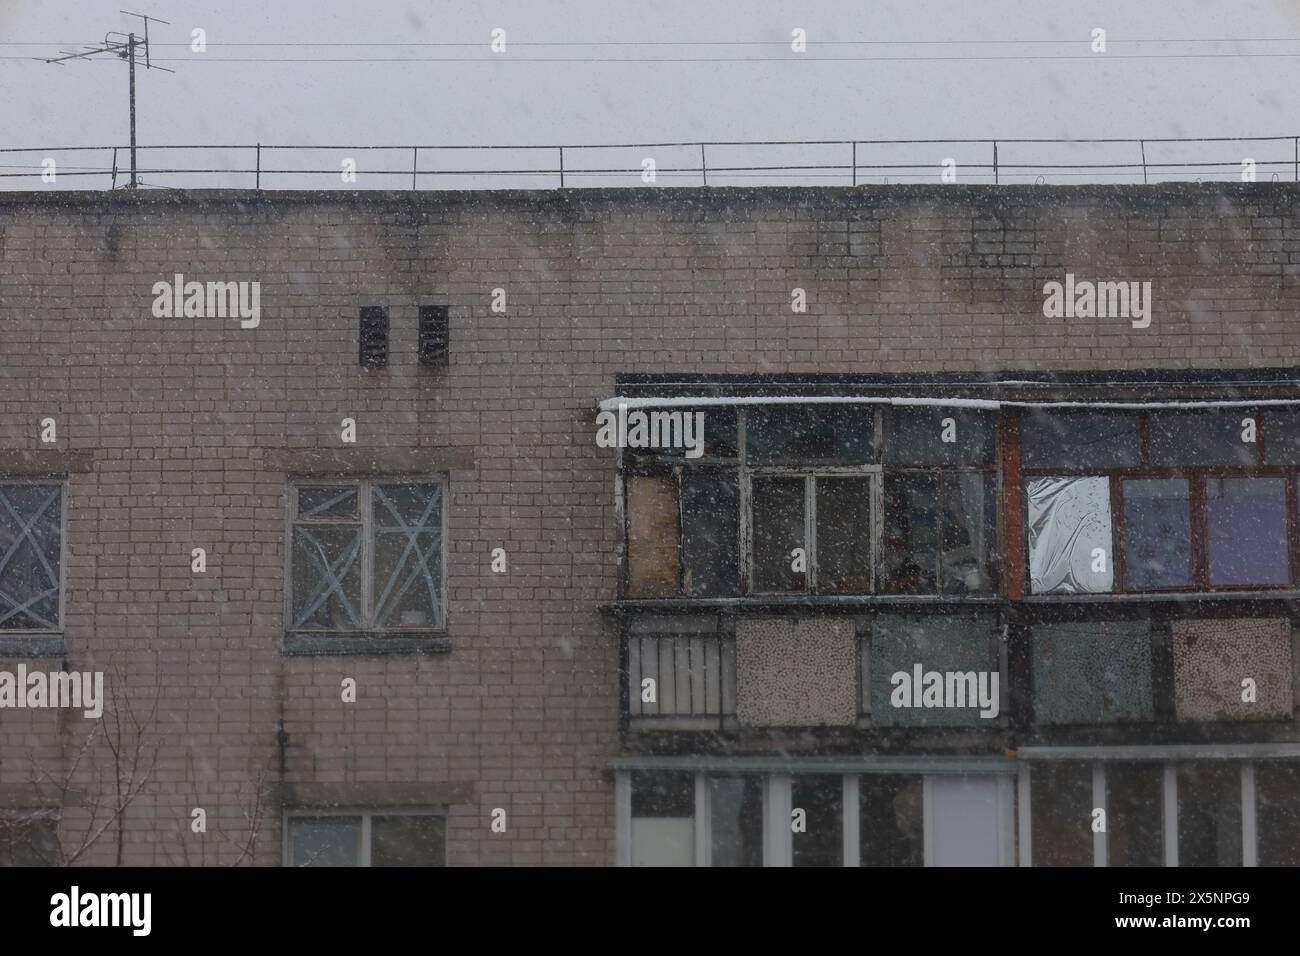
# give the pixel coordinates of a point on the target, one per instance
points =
(184, 419)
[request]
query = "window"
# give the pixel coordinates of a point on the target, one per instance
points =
(1157, 533)
(1061, 823)
(1247, 531)
(1069, 535)
(890, 826)
(817, 827)
(367, 557)
(736, 820)
(1134, 817)
(367, 838)
(31, 556)
(663, 818)
(29, 839)
(1209, 814)
(1165, 500)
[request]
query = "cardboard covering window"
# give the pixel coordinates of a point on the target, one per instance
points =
(652, 535)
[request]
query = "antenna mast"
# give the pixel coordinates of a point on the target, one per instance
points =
(125, 46)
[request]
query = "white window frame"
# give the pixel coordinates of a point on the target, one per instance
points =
(365, 814)
(778, 840)
(64, 499)
(365, 521)
(1169, 759)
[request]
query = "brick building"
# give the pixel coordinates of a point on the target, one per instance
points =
(365, 589)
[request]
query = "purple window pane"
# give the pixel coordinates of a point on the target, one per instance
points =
(1247, 530)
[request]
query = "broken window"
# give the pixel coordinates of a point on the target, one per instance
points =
(31, 550)
(1069, 535)
(1157, 533)
(890, 825)
(736, 820)
(817, 833)
(811, 434)
(1079, 439)
(935, 435)
(395, 529)
(1247, 531)
(1203, 438)
(940, 532)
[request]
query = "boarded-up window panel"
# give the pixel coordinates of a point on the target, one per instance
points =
(652, 535)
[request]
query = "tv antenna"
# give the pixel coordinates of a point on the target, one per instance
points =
(125, 46)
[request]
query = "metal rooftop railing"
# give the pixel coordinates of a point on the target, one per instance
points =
(773, 162)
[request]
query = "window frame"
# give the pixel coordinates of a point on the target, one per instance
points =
(23, 635)
(366, 636)
(366, 814)
(1197, 478)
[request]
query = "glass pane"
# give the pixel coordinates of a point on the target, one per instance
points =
(1209, 814)
(938, 436)
(736, 807)
(778, 508)
(1135, 814)
(821, 434)
(890, 825)
(29, 841)
(719, 434)
(969, 533)
(1069, 535)
(843, 535)
(1093, 672)
(1079, 440)
(338, 503)
(1277, 821)
(710, 532)
(821, 798)
(910, 549)
(408, 840)
(663, 818)
(325, 841)
(1157, 534)
(408, 555)
(1060, 799)
(1247, 530)
(1281, 435)
(326, 576)
(30, 552)
(1207, 437)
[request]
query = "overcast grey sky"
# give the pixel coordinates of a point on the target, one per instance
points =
(1159, 77)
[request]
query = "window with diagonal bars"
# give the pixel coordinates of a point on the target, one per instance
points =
(31, 552)
(367, 556)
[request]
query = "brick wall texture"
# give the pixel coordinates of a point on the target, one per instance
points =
(187, 421)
